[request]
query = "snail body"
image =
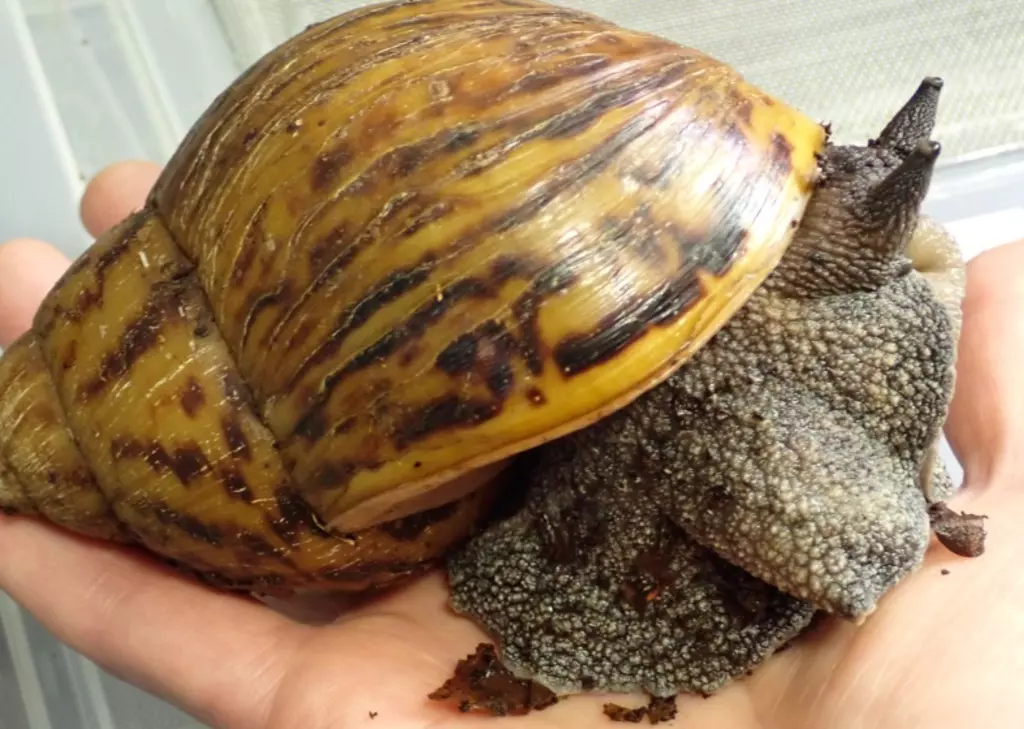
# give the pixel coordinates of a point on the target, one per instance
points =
(428, 253)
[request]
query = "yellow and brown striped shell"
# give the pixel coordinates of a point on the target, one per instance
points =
(409, 243)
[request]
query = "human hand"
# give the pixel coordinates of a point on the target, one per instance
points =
(942, 650)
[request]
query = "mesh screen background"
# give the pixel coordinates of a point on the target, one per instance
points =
(852, 63)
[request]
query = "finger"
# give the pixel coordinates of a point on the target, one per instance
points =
(986, 420)
(189, 644)
(28, 270)
(116, 192)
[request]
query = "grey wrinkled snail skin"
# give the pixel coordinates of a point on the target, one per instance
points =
(429, 259)
(678, 542)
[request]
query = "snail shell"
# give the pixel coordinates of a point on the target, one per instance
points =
(409, 243)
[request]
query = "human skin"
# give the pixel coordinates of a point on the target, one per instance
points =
(941, 651)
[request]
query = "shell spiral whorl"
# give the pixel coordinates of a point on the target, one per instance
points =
(182, 465)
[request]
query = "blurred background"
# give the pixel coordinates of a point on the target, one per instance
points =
(86, 83)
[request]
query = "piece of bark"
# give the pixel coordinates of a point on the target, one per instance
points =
(482, 683)
(962, 534)
(656, 711)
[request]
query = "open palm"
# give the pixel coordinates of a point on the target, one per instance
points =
(945, 649)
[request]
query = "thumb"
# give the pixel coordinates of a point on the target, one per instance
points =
(116, 192)
(986, 421)
(30, 268)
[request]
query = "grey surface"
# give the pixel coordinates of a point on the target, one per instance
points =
(977, 186)
(13, 712)
(38, 177)
(65, 706)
